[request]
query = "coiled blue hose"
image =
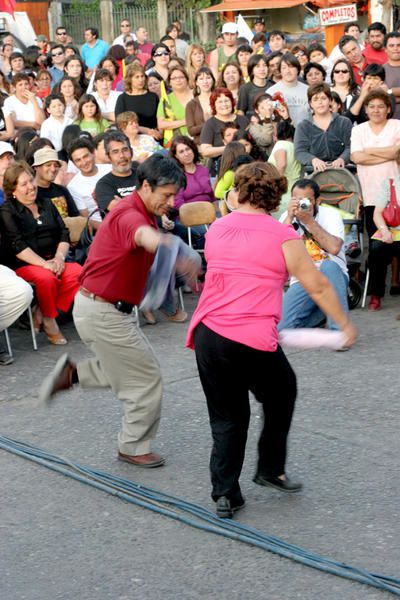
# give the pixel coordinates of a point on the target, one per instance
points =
(194, 515)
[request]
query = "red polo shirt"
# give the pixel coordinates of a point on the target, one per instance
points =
(116, 268)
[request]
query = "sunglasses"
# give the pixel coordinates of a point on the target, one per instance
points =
(161, 54)
(62, 33)
(341, 71)
(57, 53)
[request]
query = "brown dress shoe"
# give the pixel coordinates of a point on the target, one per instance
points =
(147, 461)
(60, 378)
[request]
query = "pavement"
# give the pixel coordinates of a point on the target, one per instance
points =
(62, 540)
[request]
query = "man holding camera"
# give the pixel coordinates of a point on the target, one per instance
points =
(323, 232)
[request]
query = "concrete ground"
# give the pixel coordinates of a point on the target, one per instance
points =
(62, 540)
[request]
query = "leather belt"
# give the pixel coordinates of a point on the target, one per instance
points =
(120, 305)
(92, 296)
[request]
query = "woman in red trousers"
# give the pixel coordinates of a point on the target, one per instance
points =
(35, 243)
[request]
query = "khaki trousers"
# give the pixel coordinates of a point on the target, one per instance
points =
(124, 361)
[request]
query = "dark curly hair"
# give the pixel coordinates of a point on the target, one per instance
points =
(221, 91)
(260, 184)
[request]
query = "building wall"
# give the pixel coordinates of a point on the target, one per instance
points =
(37, 12)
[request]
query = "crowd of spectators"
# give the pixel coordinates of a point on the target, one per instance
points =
(76, 122)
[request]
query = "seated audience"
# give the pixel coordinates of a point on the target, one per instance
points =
(53, 127)
(198, 110)
(293, 91)
(37, 243)
(23, 106)
(323, 232)
(223, 110)
(283, 157)
(171, 110)
(121, 180)
(142, 145)
(82, 186)
(47, 165)
(89, 116)
(324, 137)
(15, 297)
(136, 98)
(106, 97)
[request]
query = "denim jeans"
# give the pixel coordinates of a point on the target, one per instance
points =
(300, 310)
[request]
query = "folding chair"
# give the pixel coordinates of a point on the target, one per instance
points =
(195, 214)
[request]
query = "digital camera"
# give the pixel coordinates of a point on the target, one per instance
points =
(304, 204)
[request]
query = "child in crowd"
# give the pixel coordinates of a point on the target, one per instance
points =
(89, 116)
(283, 158)
(53, 127)
(226, 174)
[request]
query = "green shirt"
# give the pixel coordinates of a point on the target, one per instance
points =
(172, 110)
(292, 172)
(93, 127)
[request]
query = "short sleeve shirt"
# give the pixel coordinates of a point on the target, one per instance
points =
(371, 176)
(116, 268)
(246, 274)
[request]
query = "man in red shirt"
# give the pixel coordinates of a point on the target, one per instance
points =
(374, 51)
(113, 281)
(350, 48)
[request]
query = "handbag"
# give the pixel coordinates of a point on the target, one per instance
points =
(391, 214)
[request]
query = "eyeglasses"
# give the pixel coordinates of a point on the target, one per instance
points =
(57, 54)
(341, 71)
(62, 33)
(160, 54)
(298, 54)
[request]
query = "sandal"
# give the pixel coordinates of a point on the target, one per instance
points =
(56, 338)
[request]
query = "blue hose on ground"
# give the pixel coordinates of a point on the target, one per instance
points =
(196, 516)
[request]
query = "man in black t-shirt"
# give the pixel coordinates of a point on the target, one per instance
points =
(47, 166)
(122, 180)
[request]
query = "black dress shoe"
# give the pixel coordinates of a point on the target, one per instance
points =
(225, 507)
(284, 485)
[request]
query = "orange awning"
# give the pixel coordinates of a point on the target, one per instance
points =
(253, 5)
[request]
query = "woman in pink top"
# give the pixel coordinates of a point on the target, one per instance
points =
(234, 332)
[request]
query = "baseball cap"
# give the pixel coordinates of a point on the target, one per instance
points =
(229, 28)
(45, 155)
(260, 20)
(6, 147)
(41, 38)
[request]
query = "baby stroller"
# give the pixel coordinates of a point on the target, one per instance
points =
(340, 189)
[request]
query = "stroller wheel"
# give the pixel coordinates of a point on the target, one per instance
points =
(354, 294)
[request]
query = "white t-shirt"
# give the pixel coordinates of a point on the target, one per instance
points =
(22, 112)
(107, 106)
(53, 130)
(82, 190)
(295, 97)
(330, 220)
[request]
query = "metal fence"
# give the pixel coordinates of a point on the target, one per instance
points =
(88, 15)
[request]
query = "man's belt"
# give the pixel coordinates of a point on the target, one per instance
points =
(120, 305)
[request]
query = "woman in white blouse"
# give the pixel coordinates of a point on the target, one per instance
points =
(106, 97)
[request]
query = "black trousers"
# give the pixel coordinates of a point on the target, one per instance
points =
(369, 221)
(228, 371)
(380, 256)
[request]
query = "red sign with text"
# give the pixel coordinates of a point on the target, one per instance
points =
(338, 14)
